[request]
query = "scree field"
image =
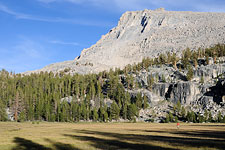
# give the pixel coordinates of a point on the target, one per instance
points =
(85, 136)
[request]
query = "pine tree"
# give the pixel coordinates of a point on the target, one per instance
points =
(210, 119)
(189, 116)
(115, 111)
(190, 73)
(16, 106)
(167, 120)
(150, 81)
(145, 102)
(95, 115)
(193, 117)
(162, 59)
(139, 101)
(105, 117)
(132, 112)
(176, 119)
(174, 60)
(124, 111)
(183, 112)
(22, 116)
(169, 57)
(186, 58)
(206, 115)
(171, 117)
(3, 116)
(178, 107)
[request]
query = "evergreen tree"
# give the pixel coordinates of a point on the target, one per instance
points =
(150, 81)
(174, 60)
(22, 116)
(190, 73)
(210, 119)
(171, 117)
(95, 114)
(167, 120)
(145, 102)
(132, 112)
(206, 115)
(169, 57)
(175, 119)
(3, 116)
(193, 117)
(139, 101)
(183, 112)
(115, 111)
(178, 107)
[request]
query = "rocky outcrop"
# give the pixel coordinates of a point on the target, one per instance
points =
(207, 103)
(185, 92)
(147, 33)
(209, 71)
(152, 97)
(176, 87)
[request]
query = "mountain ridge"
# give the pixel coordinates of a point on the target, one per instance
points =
(146, 33)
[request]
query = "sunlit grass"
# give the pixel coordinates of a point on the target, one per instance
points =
(82, 136)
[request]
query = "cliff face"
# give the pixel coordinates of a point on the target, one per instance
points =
(147, 33)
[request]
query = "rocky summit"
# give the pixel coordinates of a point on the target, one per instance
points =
(146, 33)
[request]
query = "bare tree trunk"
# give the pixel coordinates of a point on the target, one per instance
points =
(16, 106)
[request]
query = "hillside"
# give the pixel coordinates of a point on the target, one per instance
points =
(163, 89)
(146, 33)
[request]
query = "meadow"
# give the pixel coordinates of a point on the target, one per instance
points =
(129, 136)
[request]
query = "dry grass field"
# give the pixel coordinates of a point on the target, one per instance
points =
(84, 136)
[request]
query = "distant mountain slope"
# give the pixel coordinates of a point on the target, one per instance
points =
(147, 33)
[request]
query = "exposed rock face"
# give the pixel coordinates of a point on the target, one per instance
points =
(147, 33)
(177, 88)
(209, 95)
(209, 71)
(185, 92)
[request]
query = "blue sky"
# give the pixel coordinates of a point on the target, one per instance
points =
(35, 33)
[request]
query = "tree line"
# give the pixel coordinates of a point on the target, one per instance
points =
(39, 96)
(180, 113)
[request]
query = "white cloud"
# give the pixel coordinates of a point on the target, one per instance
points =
(191, 5)
(6, 10)
(124, 5)
(73, 1)
(64, 43)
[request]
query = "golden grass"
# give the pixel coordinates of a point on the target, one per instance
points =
(83, 136)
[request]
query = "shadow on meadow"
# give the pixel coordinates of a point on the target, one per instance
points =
(112, 144)
(203, 134)
(137, 141)
(111, 141)
(24, 144)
